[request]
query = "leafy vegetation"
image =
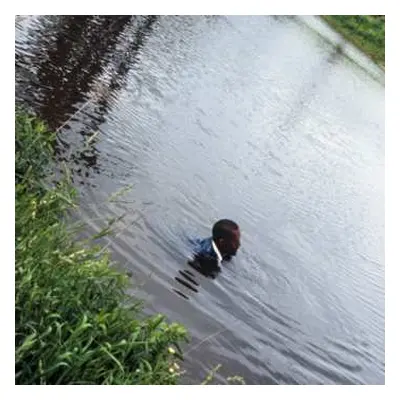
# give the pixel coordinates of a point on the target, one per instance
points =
(74, 324)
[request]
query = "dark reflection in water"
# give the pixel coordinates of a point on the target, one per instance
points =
(187, 284)
(178, 292)
(190, 281)
(69, 57)
(187, 274)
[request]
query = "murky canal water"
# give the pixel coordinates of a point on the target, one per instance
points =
(257, 119)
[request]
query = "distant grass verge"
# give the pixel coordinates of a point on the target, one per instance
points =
(367, 32)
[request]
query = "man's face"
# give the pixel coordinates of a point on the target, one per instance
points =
(231, 246)
(235, 243)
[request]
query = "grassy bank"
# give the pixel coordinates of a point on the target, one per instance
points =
(367, 32)
(74, 324)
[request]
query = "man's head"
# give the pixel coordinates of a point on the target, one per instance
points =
(226, 235)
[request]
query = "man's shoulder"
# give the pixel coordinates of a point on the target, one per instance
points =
(204, 254)
(204, 246)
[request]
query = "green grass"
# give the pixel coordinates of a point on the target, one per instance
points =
(74, 324)
(367, 32)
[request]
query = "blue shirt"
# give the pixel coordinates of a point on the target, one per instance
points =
(206, 256)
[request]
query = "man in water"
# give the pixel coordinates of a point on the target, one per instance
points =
(209, 253)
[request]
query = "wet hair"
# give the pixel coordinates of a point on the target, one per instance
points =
(224, 229)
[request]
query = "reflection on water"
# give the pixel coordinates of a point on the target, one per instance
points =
(189, 280)
(69, 61)
(255, 118)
